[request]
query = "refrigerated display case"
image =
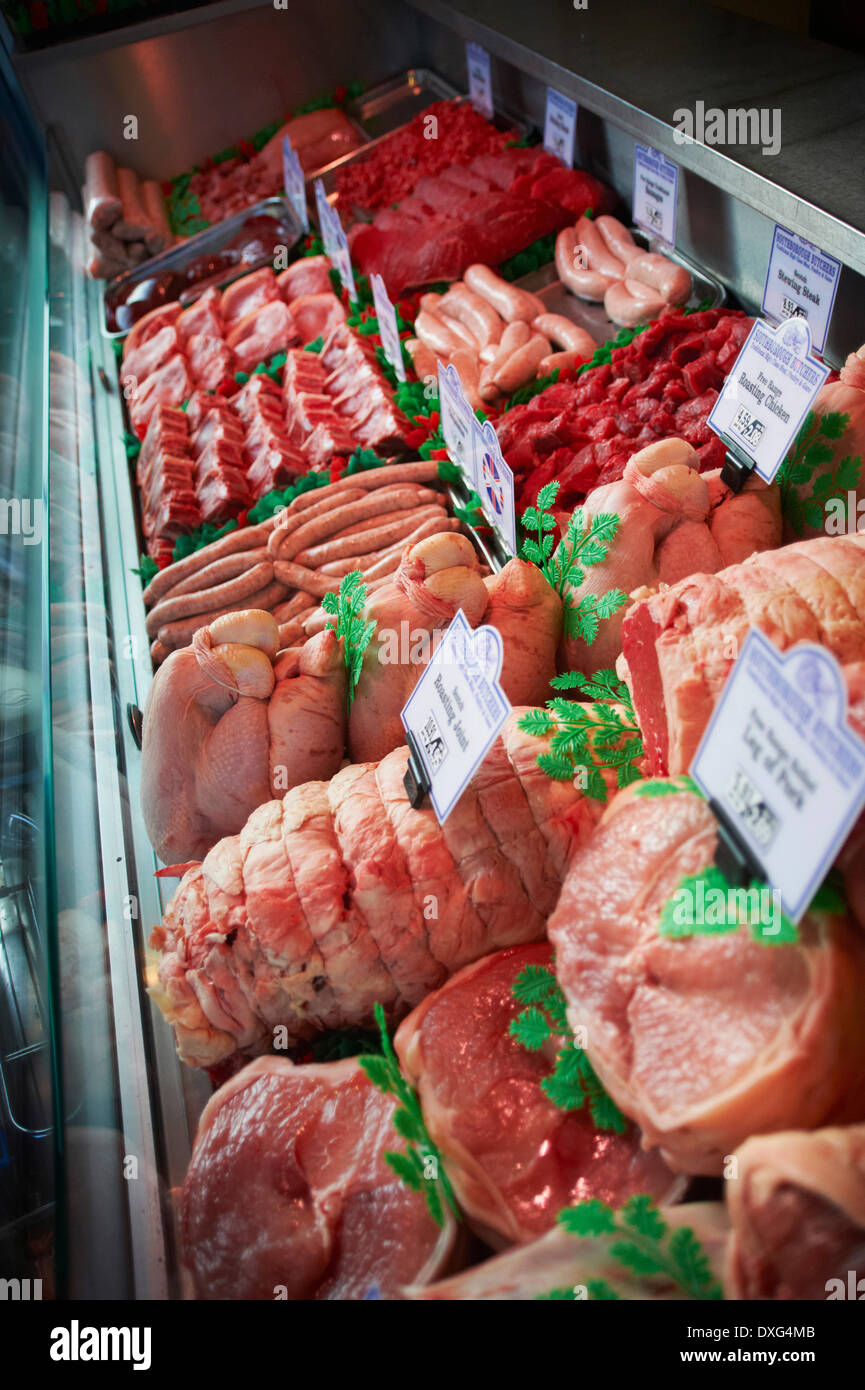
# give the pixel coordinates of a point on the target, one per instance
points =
(97, 1114)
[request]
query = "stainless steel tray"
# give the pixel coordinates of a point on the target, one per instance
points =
(212, 240)
(328, 176)
(391, 104)
(545, 283)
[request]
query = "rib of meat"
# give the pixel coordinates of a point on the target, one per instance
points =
(141, 361)
(288, 1194)
(514, 1159)
(225, 729)
(708, 1039)
(308, 275)
(201, 317)
(680, 643)
(797, 1208)
(673, 522)
(316, 315)
(169, 384)
(341, 895)
(559, 1261)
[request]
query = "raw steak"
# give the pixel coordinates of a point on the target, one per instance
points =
(515, 1160)
(341, 895)
(288, 1195)
(708, 1039)
(797, 1208)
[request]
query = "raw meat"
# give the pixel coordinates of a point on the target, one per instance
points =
(316, 315)
(797, 1207)
(514, 1159)
(673, 522)
(662, 384)
(261, 333)
(227, 725)
(247, 294)
(308, 275)
(435, 578)
(528, 614)
(708, 1039)
(170, 384)
(341, 895)
(680, 644)
(288, 1195)
(562, 1261)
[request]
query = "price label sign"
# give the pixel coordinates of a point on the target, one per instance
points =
(457, 710)
(560, 127)
(768, 393)
(293, 183)
(800, 283)
(656, 193)
(457, 420)
(480, 81)
(782, 764)
(387, 325)
(334, 238)
(494, 483)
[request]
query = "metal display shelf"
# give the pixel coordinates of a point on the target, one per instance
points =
(599, 57)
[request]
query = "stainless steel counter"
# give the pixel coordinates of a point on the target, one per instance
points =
(635, 64)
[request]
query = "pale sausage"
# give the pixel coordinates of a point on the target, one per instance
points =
(565, 333)
(508, 300)
(522, 365)
(585, 284)
(671, 281)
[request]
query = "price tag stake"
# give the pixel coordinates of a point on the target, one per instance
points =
(656, 193)
(334, 239)
(293, 182)
(480, 81)
(454, 715)
(560, 127)
(801, 282)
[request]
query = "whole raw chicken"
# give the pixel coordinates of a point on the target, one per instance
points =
(674, 522)
(229, 724)
(436, 577)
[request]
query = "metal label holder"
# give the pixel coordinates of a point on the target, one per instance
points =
(416, 780)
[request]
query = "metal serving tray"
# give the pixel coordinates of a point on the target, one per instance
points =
(212, 240)
(545, 283)
(502, 120)
(394, 103)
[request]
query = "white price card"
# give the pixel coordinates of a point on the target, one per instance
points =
(783, 764)
(656, 193)
(387, 325)
(457, 422)
(334, 238)
(560, 126)
(457, 710)
(480, 81)
(293, 183)
(494, 483)
(801, 282)
(768, 393)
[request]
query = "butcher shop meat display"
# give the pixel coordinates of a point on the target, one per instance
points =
(429, 921)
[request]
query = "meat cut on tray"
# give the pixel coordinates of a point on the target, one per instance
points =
(288, 1195)
(661, 385)
(514, 1158)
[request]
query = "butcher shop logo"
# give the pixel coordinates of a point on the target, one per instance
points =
(853, 1289)
(696, 905)
(77, 1343)
(736, 126)
(22, 516)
